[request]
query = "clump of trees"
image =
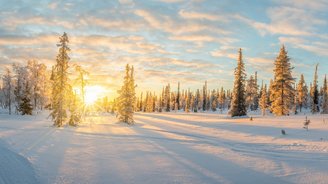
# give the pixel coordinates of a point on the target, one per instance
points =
(281, 97)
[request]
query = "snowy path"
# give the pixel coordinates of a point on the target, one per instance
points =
(166, 148)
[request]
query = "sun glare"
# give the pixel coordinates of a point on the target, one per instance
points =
(93, 93)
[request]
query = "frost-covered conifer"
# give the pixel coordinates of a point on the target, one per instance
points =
(252, 93)
(263, 100)
(25, 107)
(213, 100)
(8, 89)
(60, 86)
(302, 92)
(315, 93)
(282, 87)
(324, 97)
(238, 101)
(126, 99)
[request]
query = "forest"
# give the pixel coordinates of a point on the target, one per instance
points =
(30, 88)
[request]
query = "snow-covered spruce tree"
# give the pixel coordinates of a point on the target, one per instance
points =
(21, 77)
(25, 107)
(302, 93)
(282, 87)
(160, 107)
(315, 93)
(252, 93)
(178, 98)
(60, 85)
(8, 89)
(222, 99)
(204, 101)
(141, 103)
(263, 100)
(256, 93)
(167, 97)
(172, 102)
(238, 102)
(154, 102)
(213, 100)
(146, 108)
(324, 97)
(188, 100)
(197, 101)
(127, 96)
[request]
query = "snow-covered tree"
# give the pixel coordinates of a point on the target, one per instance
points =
(315, 93)
(204, 101)
(197, 101)
(252, 93)
(178, 97)
(263, 100)
(141, 103)
(25, 106)
(37, 79)
(213, 100)
(188, 101)
(167, 98)
(324, 97)
(8, 88)
(222, 99)
(21, 77)
(302, 92)
(282, 87)
(238, 102)
(60, 86)
(127, 97)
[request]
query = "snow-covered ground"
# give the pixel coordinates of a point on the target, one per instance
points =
(164, 148)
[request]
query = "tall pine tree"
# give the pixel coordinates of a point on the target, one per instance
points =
(263, 100)
(301, 93)
(324, 97)
(315, 93)
(238, 102)
(60, 86)
(282, 87)
(127, 97)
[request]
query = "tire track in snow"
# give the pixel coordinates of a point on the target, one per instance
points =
(250, 156)
(208, 163)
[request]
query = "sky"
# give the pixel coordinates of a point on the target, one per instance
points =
(168, 41)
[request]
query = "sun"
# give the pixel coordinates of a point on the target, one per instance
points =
(93, 93)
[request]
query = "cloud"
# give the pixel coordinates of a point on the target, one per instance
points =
(202, 16)
(226, 51)
(177, 27)
(286, 21)
(172, 1)
(130, 25)
(317, 5)
(317, 47)
(13, 23)
(127, 2)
